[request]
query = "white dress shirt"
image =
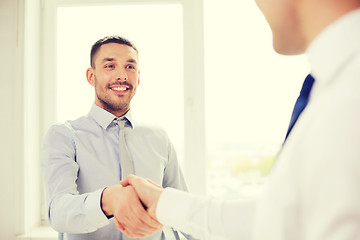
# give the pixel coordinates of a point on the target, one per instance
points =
(81, 157)
(313, 192)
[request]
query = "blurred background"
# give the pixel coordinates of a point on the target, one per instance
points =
(209, 76)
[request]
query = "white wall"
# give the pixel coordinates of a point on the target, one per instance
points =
(12, 115)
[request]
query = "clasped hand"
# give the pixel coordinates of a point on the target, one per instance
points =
(126, 203)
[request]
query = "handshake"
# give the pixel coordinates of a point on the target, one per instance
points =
(133, 204)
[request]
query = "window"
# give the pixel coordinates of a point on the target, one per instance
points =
(159, 39)
(249, 95)
(207, 69)
(71, 29)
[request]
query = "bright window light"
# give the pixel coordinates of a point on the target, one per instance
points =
(250, 92)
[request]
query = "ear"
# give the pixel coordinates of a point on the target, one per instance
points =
(138, 81)
(90, 76)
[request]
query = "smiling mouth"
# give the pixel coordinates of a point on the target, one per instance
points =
(120, 88)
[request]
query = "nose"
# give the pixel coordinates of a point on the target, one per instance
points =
(121, 76)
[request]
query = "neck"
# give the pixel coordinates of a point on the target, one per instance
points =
(316, 15)
(120, 113)
(115, 112)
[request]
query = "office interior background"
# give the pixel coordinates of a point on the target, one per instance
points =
(209, 76)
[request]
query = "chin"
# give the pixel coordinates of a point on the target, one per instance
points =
(288, 49)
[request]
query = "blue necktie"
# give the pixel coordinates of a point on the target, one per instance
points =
(301, 102)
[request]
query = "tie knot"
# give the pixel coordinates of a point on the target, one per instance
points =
(121, 122)
(307, 86)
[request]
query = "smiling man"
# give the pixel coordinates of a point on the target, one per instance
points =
(84, 160)
(115, 75)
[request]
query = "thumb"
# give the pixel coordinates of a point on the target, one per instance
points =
(153, 183)
(127, 181)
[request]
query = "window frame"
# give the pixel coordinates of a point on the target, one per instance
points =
(194, 110)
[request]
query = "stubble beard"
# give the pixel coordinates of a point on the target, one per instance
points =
(111, 105)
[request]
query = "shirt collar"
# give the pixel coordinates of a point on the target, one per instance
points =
(105, 118)
(334, 46)
(129, 117)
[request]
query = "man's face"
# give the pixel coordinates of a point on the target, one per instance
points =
(115, 76)
(283, 19)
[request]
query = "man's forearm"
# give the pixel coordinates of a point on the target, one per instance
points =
(77, 213)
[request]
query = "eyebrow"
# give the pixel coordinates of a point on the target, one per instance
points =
(130, 60)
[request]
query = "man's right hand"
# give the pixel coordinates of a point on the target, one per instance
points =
(129, 214)
(148, 192)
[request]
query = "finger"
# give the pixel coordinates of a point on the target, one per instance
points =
(140, 216)
(133, 215)
(118, 225)
(128, 231)
(132, 218)
(127, 181)
(155, 184)
(148, 192)
(129, 214)
(138, 231)
(144, 218)
(135, 235)
(131, 234)
(139, 221)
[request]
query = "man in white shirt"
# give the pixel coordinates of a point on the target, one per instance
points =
(313, 191)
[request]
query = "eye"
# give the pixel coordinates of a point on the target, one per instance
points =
(110, 66)
(130, 67)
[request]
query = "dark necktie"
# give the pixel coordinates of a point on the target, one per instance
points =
(301, 102)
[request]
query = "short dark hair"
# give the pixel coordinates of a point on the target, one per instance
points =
(109, 39)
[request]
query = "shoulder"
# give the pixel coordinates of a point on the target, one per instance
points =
(59, 129)
(66, 129)
(152, 130)
(80, 123)
(58, 133)
(148, 127)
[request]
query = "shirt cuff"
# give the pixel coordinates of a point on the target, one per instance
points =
(193, 214)
(92, 208)
(170, 204)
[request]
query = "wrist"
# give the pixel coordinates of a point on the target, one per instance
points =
(105, 202)
(156, 197)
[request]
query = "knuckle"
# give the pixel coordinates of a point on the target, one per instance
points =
(140, 227)
(140, 214)
(130, 235)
